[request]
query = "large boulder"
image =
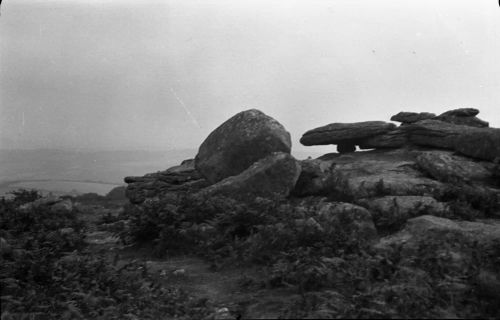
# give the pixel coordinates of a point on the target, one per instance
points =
(271, 177)
(480, 143)
(447, 167)
(435, 133)
(411, 117)
(377, 173)
(364, 175)
(342, 133)
(462, 242)
(238, 143)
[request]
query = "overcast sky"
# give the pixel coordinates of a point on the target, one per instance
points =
(159, 75)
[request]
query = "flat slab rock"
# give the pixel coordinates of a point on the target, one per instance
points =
(366, 174)
(239, 142)
(183, 177)
(336, 133)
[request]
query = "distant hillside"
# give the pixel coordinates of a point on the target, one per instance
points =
(64, 171)
(59, 167)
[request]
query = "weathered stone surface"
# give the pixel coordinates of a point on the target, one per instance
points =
(238, 143)
(461, 112)
(442, 232)
(391, 211)
(336, 133)
(465, 121)
(435, 133)
(447, 167)
(411, 117)
(316, 178)
(182, 178)
(342, 217)
(392, 139)
(272, 177)
(463, 116)
(365, 174)
(454, 246)
(480, 143)
(376, 173)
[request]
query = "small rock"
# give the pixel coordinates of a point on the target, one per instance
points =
(346, 147)
(411, 117)
(179, 272)
(66, 231)
(461, 112)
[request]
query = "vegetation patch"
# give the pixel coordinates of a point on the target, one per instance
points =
(48, 272)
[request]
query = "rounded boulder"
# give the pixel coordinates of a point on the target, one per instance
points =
(238, 143)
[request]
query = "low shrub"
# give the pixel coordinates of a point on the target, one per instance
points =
(47, 272)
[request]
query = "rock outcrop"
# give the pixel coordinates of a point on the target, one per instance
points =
(454, 241)
(447, 167)
(238, 143)
(182, 178)
(271, 177)
(481, 144)
(427, 197)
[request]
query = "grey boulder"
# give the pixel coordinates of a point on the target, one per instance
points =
(272, 177)
(238, 143)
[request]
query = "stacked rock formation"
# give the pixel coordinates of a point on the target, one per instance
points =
(458, 130)
(247, 156)
(421, 173)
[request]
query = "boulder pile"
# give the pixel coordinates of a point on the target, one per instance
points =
(247, 156)
(428, 178)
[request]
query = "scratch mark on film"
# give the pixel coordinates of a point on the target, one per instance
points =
(190, 115)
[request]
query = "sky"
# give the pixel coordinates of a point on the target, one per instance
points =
(158, 75)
